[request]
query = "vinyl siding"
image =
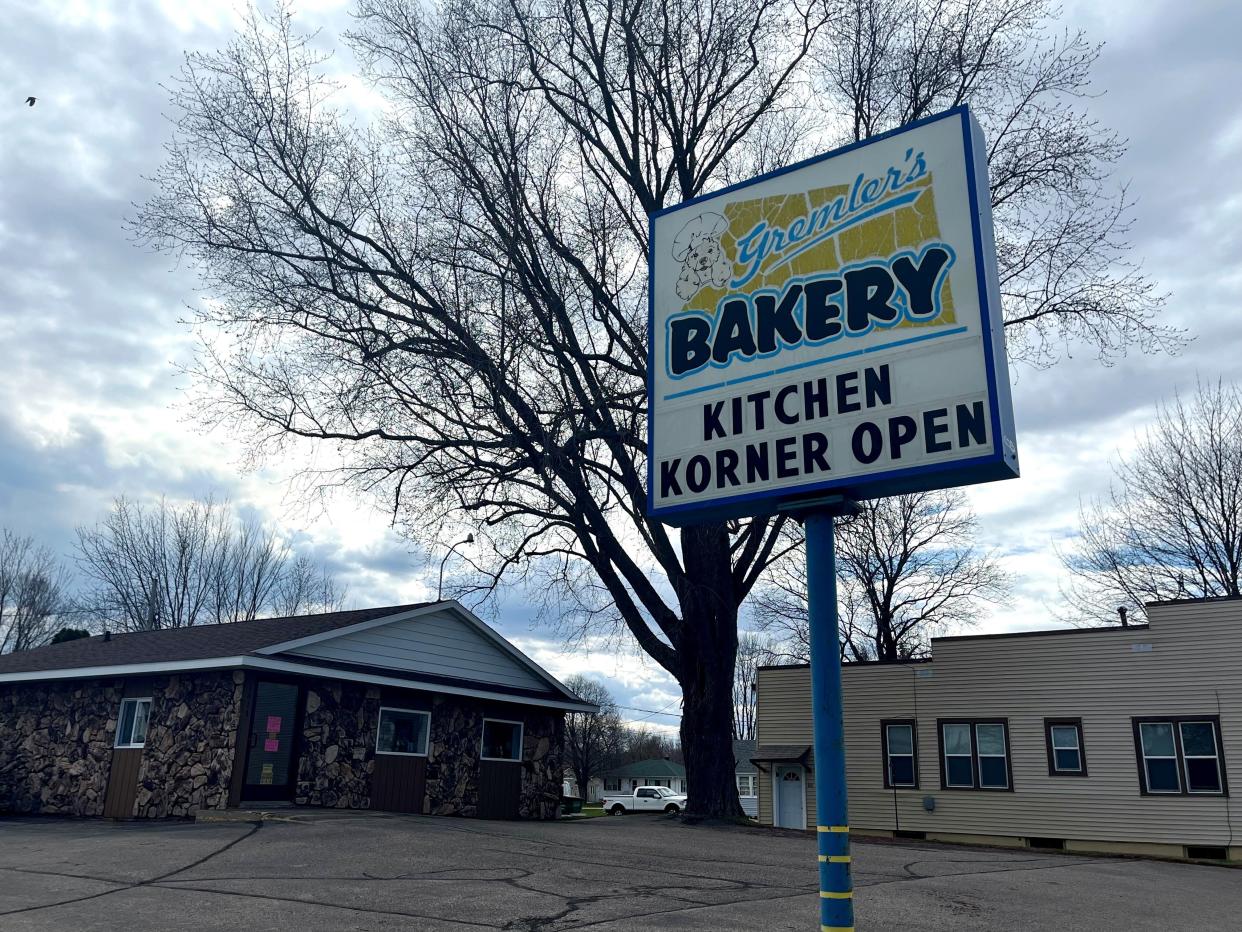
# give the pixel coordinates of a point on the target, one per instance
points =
(1194, 667)
(437, 645)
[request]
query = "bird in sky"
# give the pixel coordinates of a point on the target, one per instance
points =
(30, 101)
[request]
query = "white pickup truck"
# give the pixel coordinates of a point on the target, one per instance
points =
(645, 799)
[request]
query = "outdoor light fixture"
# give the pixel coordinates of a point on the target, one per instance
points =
(440, 585)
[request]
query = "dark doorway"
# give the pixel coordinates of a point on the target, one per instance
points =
(271, 760)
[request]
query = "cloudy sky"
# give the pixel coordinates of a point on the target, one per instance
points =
(91, 335)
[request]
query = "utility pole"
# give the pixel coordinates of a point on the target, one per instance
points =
(153, 598)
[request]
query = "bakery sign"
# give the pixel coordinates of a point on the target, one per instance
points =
(832, 327)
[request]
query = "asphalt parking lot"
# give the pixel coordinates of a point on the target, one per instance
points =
(369, 871)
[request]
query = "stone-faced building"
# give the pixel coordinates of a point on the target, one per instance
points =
(414, 708)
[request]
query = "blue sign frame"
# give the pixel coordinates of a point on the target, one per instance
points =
(1000, 462)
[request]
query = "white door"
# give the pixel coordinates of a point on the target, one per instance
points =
(790, 791)
(647, 798)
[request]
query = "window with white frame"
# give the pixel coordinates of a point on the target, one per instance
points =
(1066, 756)
(612, 784)
(402, 731)
(1180, 755)
(956, 745)
(502, 740)
(900, 754)
(746, 784)
(131, 728)
(975, 755)
(1200, 756)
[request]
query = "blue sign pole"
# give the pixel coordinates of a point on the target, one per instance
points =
(836, 885)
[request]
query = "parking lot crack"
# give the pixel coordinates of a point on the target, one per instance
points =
(130, 885)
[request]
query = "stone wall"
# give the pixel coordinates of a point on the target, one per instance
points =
(338, 751)
(455, 746)
(191, 741)
(338, 745)
(542, 764)
(56, 746)
(56, 743)
(453, 757)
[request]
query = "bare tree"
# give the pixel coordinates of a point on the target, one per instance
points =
(641, 743)
(753, 651)
(907, 568)
(1061, 226)
(593, 740)
(304, 587)
(456, 296)
(33, 587)
(1171, 527)
(173, 567)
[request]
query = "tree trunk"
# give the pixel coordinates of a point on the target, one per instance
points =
(707, 653)
(583, 776)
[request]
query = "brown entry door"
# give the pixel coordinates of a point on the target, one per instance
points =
(500, 787)
(271, 761)
(122, 783)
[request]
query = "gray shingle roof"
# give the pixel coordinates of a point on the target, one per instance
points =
(201, 642)
(777, 753)
(655, 767)
(743, 751)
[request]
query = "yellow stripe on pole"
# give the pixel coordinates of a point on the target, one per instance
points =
(830, 895)
(835, 858)
(834, 828)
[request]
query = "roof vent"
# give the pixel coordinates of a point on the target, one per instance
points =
(1122, 611)
(107, 635)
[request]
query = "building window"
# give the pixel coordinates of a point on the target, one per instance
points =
(746, 784)
(612, 784)
(974, 755)
(900, 750)
(131, 729)
(502, 740)
(1066, 756)
(402, 731)
(1180, 755)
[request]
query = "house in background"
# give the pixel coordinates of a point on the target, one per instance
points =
(665, 772)
(1119, 739)
(657, 771)
(412, 708)
(747, 775)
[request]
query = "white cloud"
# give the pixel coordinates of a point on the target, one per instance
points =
(91, 400)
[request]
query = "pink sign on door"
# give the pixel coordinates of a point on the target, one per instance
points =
(271, 745)
(273, 724)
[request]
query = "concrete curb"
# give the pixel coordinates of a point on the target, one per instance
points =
(241, 815)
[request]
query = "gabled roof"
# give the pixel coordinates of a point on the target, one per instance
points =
(654, 767)
(199, 642)
(295, 644)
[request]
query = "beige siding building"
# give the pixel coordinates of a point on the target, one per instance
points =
(1107, 739)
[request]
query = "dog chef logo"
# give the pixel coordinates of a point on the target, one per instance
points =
(703, 261)
(809, 268)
